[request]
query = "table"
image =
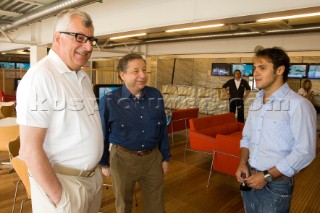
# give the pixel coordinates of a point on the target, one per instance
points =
(9, 121)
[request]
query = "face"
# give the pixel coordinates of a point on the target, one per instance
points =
(308, 85)
(135, 77)
(237, 75)
(265, 76)
(73, 53)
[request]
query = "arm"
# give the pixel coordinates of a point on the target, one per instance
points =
(164, 143)
(32, 152)
(243, 168)
(104, 116)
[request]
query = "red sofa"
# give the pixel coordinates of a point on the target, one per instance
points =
(6, 98)
(180, 119)
(220, 136)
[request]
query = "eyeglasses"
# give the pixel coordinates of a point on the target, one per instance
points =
(82, 38)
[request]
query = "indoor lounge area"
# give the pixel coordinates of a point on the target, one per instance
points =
(191, 49)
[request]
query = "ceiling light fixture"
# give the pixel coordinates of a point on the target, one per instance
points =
(289, 17)
(127, 36)
(194, 28)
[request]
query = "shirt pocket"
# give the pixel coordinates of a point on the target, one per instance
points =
(125, 130)
(158, 126)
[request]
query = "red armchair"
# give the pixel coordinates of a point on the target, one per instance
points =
(220, 136)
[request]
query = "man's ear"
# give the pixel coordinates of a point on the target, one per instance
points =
(56, 38)
(122, 75)
(280, 70)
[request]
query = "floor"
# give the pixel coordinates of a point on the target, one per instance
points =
(185, 188)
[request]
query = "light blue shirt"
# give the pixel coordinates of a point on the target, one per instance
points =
(281, 132)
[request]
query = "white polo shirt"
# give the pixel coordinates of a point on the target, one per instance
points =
(52, 96)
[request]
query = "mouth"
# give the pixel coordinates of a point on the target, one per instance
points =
(82, 53)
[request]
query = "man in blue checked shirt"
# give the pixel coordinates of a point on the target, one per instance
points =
(279, 137)
(134, 122)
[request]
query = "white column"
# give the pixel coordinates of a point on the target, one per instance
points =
(37, 53)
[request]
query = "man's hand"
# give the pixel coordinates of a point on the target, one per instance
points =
(256, 181)
(165, 167)
(242, 169)
(106, 171)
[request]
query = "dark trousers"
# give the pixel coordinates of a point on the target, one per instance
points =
(237, 103)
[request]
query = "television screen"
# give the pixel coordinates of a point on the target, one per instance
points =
(22, 65)
(7, 65)
(298, 71)
(101, 89)
(314, 71)
(245, 69)
(220, 69)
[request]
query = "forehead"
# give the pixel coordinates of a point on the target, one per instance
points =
(262, 60)
(136, 62)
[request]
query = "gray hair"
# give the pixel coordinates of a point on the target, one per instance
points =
(64, 19)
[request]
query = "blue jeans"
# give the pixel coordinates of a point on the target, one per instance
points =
(275, 197)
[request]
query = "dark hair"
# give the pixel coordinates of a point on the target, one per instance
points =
(123, 62)
(304, 85)
(237, 70)
(278, 57)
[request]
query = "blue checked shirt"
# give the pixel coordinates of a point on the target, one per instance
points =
(281, 132)
(134, 124)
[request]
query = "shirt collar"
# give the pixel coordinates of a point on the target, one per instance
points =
(126, 93)
(278, 94)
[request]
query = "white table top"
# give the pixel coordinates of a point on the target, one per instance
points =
(9, 121)
(6, 103)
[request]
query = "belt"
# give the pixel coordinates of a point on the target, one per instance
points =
(138, 153)
(73, 172)
(281, 177)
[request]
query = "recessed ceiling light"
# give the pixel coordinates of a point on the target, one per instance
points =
(194, 28)
(127, 36)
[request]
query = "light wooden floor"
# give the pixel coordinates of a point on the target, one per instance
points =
(185, 187)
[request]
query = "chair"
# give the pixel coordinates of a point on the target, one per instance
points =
(225, 156)
(107, 182)
(22, 171)
(7, 109)
(7, 134)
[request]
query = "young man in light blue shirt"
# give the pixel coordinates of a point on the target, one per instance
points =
(279, 137)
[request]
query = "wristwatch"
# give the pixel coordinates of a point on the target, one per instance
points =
(267, 176)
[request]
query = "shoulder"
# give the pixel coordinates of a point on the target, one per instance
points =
(298, 102)
(152, 92)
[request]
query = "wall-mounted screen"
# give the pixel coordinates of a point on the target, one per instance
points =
(245, 69)
(7, 65)
(101, 89)
(314, 71)
(298, 71)
(220, 69)
(22, 65)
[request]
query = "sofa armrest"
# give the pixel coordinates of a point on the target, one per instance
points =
(201, 142)
(227, 144)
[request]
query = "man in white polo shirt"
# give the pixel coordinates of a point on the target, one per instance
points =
(60, 129)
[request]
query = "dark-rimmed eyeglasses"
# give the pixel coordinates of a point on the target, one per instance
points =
(82, 38)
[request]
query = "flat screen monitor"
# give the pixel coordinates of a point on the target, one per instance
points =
(7, 65)
(314, 71)
(220, 69)
(298, 71)
(22, 65)
(101, 89)
(245, 69)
